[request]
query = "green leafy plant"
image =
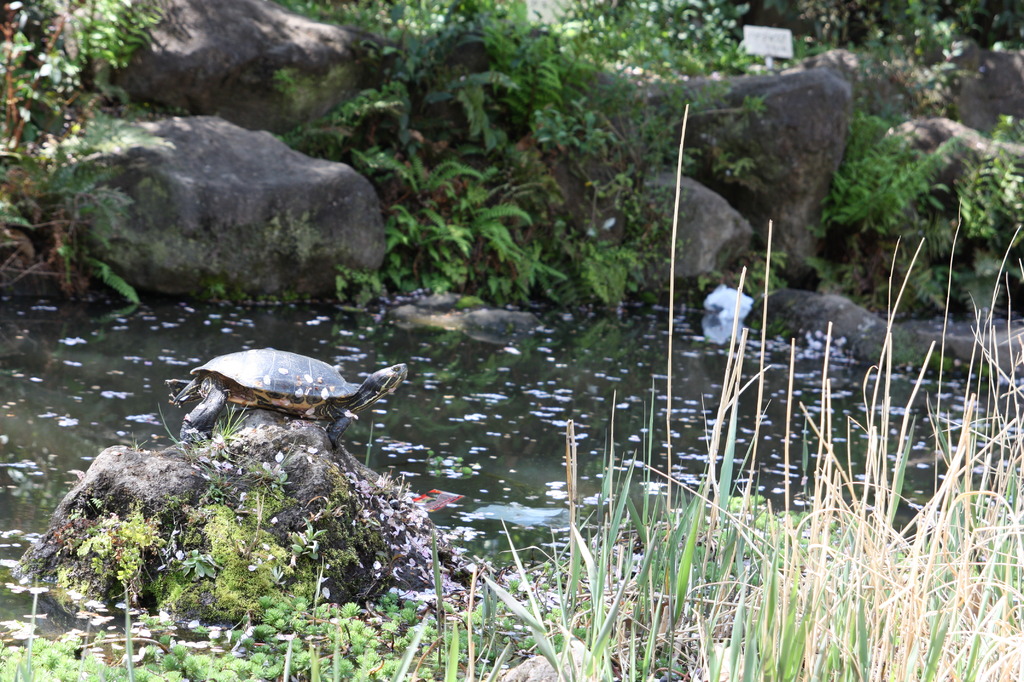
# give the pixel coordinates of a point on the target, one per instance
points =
(882, 193)
(840, 23)
(200, 565)
(475, 207)
(358, 286)
(542, 71)
(121, 546)
(274, 476)
(56, 197)
(575, 126)
(367, 120)
(52, 53)
(607, 271)
(108, 32)
(306, 543)
(991, 194)
(50, 49)
(663, 37)
(881, 179)
(449, 231)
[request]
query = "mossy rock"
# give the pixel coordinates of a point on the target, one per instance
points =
(205, 532)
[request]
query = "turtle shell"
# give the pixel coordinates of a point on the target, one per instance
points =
(282, 381)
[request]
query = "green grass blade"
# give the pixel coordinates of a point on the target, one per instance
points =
(695, 510)
(534, 622)
(728, 458)
(410, 653)
(935, 649)
(451, 671)
(899, 475)
(286, 675)
(314, 663)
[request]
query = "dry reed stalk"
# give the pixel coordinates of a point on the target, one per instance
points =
(570, 470)
(761, 356)
(672, 307)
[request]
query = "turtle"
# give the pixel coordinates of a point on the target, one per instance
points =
(281, 381)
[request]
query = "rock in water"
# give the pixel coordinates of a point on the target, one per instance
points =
(205, 532)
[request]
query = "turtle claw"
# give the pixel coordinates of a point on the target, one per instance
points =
(190, 434)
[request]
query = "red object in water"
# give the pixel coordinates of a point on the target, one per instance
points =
(436, 499)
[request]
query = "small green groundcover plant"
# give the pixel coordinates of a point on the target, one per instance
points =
(293, 639)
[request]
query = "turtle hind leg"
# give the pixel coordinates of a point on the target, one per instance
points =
(335, 430)
(198, 424)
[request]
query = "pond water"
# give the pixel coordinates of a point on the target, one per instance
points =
(479, 419)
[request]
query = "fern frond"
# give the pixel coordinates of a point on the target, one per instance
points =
(548, 85)
(473, 101)
(450, 170)
(10, 215)
(503, 211)
(113, 280)
(378, 161)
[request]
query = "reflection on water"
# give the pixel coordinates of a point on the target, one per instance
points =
(480, 420)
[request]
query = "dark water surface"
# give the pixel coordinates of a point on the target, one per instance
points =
(480, 419)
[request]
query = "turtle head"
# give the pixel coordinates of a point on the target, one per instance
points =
(378, 385)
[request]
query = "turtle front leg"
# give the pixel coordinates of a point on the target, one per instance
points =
(198, 424)
(335, 430)
(182, 391)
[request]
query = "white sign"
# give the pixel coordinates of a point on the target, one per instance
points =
(768, 42)
(547, 11)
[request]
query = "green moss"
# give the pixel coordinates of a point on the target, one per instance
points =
(295, 236)
(469, 302)
(353, 536)
(112, 556)
(285, 238)
(266, 537)
(69, 580)
(219, 288)
(247, 554)
(303, 93)
(255, 560)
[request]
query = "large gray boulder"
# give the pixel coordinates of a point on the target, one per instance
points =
(959, 147)
(876, 87)
(222, 209)
(991, 85)
(806, 313)
(251, 62)
(772, 162)
(711, 233)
